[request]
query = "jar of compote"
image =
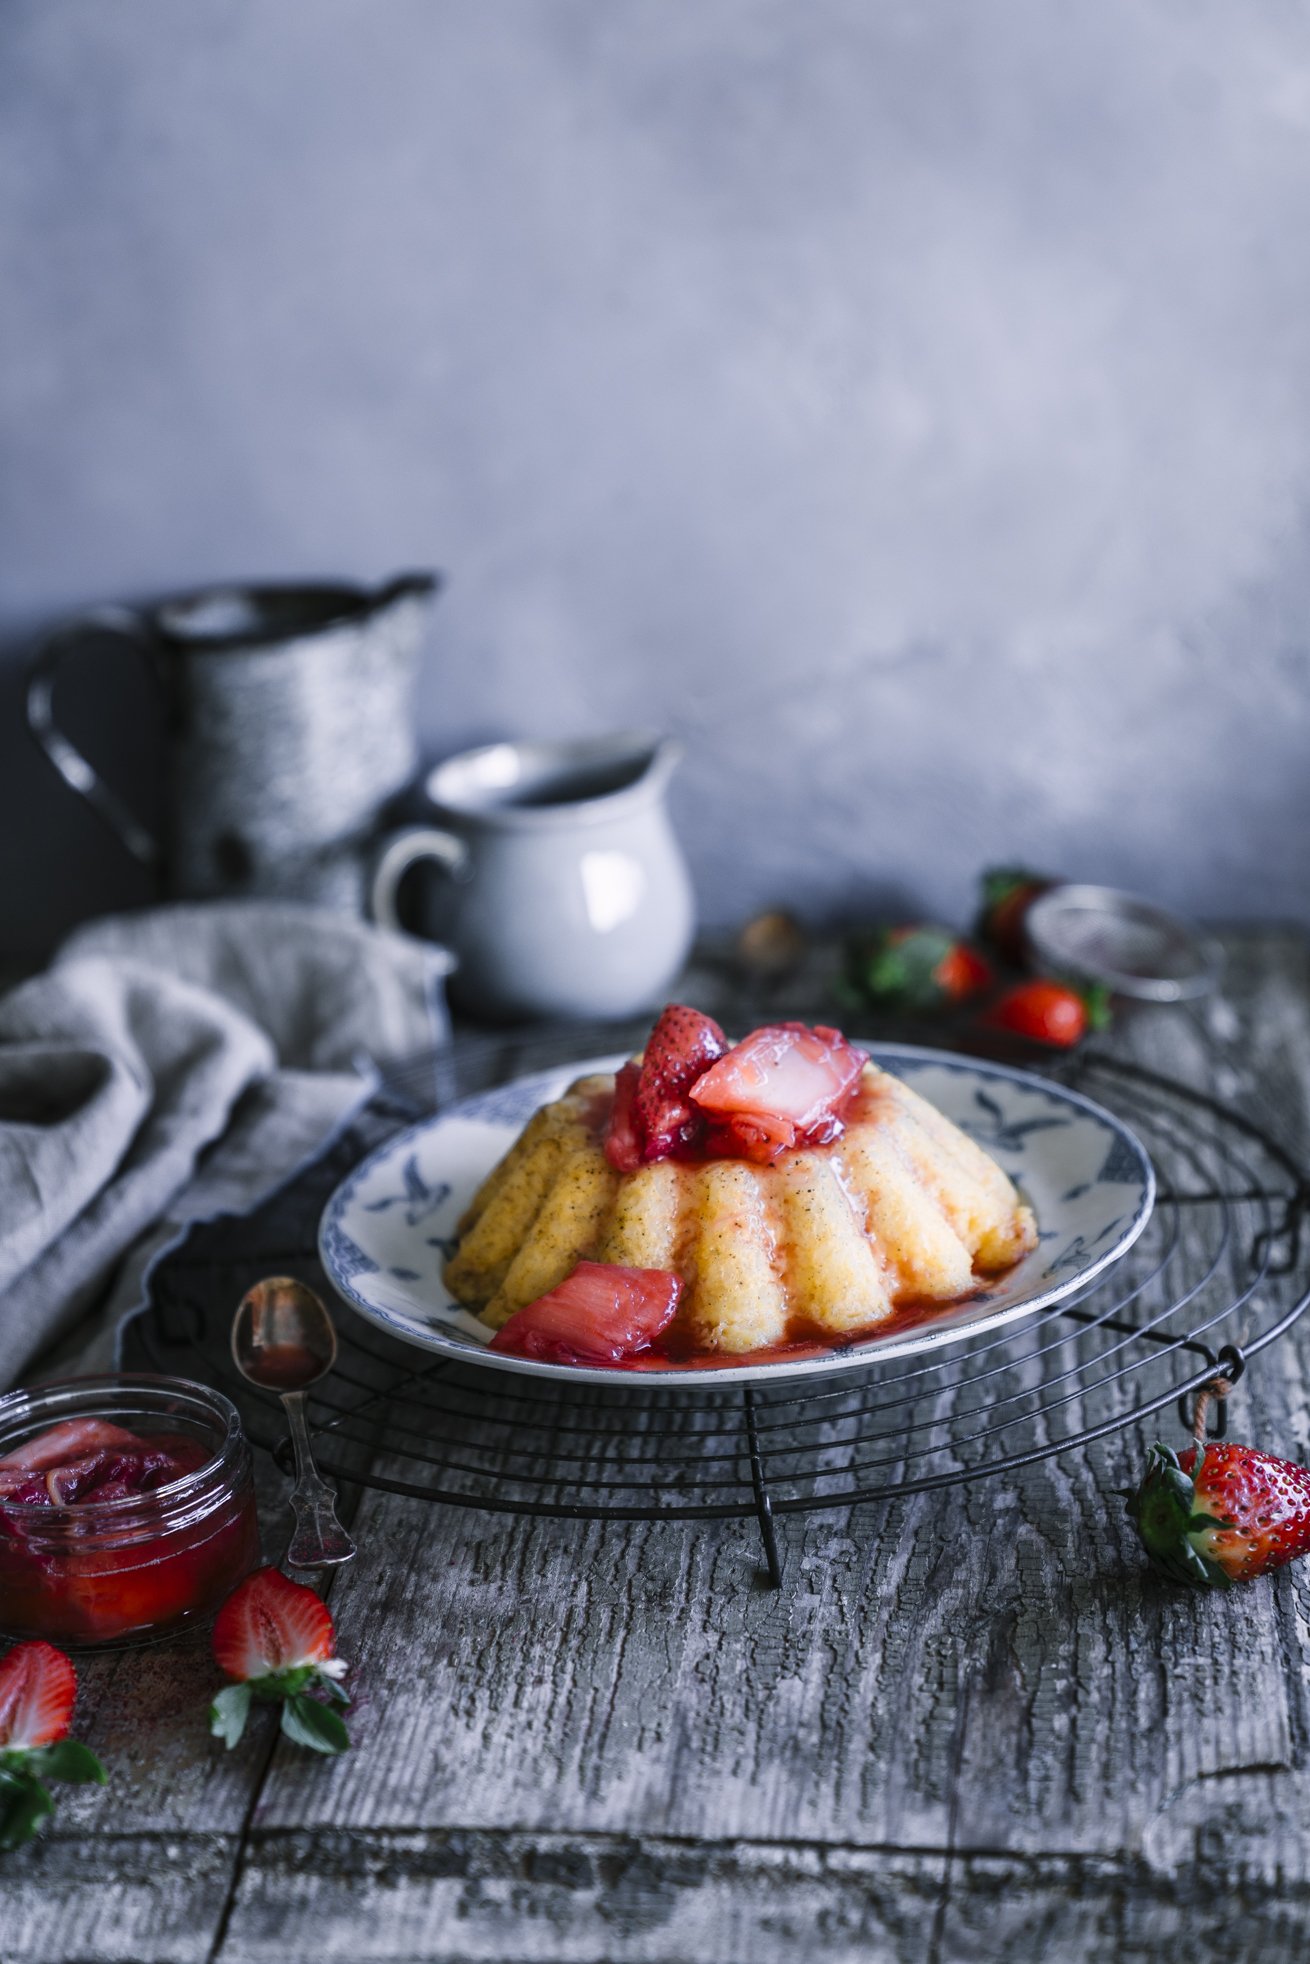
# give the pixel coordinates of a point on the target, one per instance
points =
(127, 1508)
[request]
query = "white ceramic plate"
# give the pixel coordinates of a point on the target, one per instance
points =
(388, 1230)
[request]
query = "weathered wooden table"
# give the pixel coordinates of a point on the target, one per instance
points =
(971, 1724)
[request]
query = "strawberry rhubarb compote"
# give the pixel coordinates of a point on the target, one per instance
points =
(126, 1508)
(692, 1096)
(695, 1096)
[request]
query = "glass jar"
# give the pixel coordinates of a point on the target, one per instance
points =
(143, 1565)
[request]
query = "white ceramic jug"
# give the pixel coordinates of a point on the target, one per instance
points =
(565, 892)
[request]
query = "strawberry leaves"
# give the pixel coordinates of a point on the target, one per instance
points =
(1163, 1510)
(229, 1712)
(25, 1803)
(25, 1800)
(314, 1725)
(305, 1720)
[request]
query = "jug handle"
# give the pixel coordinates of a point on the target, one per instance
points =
(71, 765)
(402, 852)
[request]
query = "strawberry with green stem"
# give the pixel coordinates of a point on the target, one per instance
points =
(1220, 1512)
(274, 1637)
(1007, 894)
(1057, 1014)
(916, 967)
(38, 1688)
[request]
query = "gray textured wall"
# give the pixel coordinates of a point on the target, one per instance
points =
(908, 400)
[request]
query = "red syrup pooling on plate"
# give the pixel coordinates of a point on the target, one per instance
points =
(133, 1535)
(676, 1349)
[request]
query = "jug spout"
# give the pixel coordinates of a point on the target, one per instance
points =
(406, 586)
(636, 763)
(666, 753)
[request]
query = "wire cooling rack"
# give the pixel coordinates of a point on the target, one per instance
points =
(1215, 1278)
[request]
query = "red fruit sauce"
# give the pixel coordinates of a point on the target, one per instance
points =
(676, 1348)
(127, 1516)
(785, 1085)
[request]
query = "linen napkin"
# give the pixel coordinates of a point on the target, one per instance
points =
(176, 1064)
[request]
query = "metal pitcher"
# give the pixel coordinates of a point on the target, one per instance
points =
(290, 727)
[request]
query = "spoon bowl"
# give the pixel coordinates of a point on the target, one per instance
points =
(282, 1336)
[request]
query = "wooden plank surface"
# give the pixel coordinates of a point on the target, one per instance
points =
(970, 1725)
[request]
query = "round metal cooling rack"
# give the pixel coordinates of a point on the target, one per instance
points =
(1212, 1281)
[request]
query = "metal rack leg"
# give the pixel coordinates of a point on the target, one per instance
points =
(763, 1504)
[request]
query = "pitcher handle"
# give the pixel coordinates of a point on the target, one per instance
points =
(71, 765)
(402, 852)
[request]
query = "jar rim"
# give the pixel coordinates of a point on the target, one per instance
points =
(27, 1403)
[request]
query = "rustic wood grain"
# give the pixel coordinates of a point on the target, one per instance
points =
(970, 1725)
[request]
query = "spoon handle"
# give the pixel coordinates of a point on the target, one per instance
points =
(319, 1541)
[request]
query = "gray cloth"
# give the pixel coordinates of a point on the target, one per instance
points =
(177, 1064)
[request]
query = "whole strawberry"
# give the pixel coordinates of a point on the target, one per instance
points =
(916, 967)
(1051, 1013)
(1007, 894)
(38, 1686)
(1221, 1513)
(275, 1637)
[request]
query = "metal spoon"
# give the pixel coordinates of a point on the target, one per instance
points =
(283, 1341)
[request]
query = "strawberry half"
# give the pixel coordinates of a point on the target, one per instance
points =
(1007, 894)
(680, 1049)
(38, 1688)
(785, 1085)
(600, 1314)
(1225, 1516)
(275, 1637)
